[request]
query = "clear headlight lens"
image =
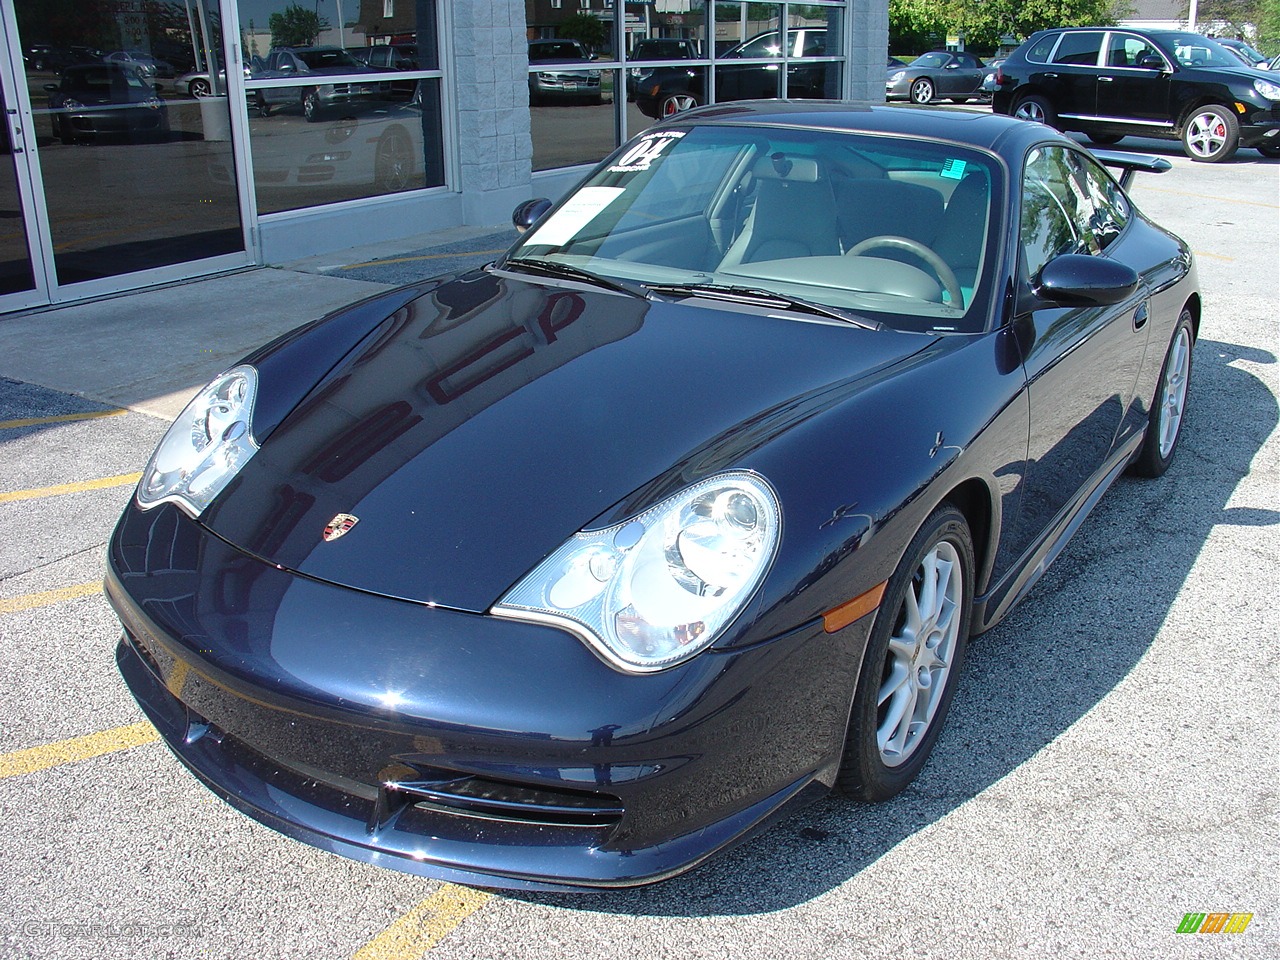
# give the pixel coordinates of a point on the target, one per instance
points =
(654, 591)
(897, 76)
(206, 446)
(1268, 89)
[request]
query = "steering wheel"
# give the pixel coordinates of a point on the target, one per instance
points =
(939, 266)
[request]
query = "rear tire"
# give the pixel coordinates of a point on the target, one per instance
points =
(912, 661)
(1035, 107)
(1168, 408)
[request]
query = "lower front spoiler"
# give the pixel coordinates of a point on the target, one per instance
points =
(413, 838)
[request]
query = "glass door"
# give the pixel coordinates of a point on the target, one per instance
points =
(21, 283)
(128, 116)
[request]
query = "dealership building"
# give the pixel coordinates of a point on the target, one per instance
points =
(150, 141)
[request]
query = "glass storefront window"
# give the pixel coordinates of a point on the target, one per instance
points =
(572, 120)
(675, 55)
(344, 100)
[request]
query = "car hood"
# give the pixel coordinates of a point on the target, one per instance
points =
(491, 418)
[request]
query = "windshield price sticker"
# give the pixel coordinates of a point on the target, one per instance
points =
(954, 169)
(650, 148)
(583, 207)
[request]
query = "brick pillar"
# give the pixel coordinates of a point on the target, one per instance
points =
(490, 60)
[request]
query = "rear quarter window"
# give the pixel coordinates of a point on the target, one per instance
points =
(1039, 51)
(1079, 48)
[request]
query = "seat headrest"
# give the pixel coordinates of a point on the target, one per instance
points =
(779, 166)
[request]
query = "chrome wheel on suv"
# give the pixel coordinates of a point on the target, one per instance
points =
(1035, 107)
(1211, 134)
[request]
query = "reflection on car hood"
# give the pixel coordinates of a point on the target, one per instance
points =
(492, 418)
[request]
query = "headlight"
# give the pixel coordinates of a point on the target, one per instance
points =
(206, 446)
(894, 78)
(1268, 89)
(654, 591)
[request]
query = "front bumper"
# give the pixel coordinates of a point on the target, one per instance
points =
(456, 745)
(1261, 127)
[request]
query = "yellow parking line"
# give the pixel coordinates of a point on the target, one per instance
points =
(425, 256)
(1201, 196)
(62, 418)
(423, 927)
(44, 598)
(1215, 256)
(103, 483)
(77, 748)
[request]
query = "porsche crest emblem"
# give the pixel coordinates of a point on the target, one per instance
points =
(339, 525)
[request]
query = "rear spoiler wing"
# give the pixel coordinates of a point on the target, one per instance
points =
(1131, 163)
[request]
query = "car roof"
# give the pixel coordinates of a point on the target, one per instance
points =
(986, 131)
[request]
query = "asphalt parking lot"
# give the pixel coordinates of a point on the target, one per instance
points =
(1110, 765)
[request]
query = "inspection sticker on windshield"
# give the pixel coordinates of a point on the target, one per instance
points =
(583, 207)
(953, 169)
(649, 149)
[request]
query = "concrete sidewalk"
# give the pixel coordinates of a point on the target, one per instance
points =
(151, 350)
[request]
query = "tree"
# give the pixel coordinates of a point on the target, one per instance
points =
(983, 22)
(589, 30)
(295, 27)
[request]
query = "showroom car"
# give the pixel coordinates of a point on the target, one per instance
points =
(98, 100)
(1171, 85)
(938, 75)
(576, 569)
(547, 84)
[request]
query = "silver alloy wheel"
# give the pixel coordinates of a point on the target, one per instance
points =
(393, 162)
(921, 650)
(922, 91)
(678, 103)
(1206, 134)
(1173, 391)
(200, 89)
(1030, 110)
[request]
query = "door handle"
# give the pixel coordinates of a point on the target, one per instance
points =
(1051, 76)
(1140, 316)
(1106, 79)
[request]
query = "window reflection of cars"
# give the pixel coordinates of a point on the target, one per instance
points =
(938, 74)
(583, 85)
(1248, 55)
(656, 50)
(199, 83)
(666, 91)
(315, 97)
(393, 57)
(143, 64)
(378, 152)
(104, 99)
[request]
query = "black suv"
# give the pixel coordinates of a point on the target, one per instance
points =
(1111, 82)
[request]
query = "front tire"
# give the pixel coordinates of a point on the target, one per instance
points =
(200, 89)
(1168, 410)
(1211, 134)
(912, 662)
(922, 90)
(678, 103)
(311, 106)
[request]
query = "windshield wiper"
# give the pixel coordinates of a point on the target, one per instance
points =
(553, 268)
(764, 298)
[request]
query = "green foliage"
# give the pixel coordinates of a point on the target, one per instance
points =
(583, 27)
(984, 21)
(295, 26)
(1268, 24)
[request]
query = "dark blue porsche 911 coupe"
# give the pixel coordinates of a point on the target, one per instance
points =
(576, 569)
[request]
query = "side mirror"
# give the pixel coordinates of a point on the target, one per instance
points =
(1150, 62)
(51, 87)
(1077, 280)
(528, 213)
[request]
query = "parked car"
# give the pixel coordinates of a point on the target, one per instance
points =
(659, 49)
(666, 91)
(1247, 54)
(315, 95)
(545, 84)
(1112, 83)
(97, 99)
(200, 83)
(576, 569)
(939, 74)
(144, 64)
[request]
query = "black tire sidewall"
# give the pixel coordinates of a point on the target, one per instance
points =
(862, 772)
(1149, 462)
(920, 84)
(1232, 143)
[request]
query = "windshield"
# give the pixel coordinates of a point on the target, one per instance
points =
(1193, 50)
(894, 229)
(328, 59)
(933, 60)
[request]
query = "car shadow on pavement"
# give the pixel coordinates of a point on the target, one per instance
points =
(1078, 634)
